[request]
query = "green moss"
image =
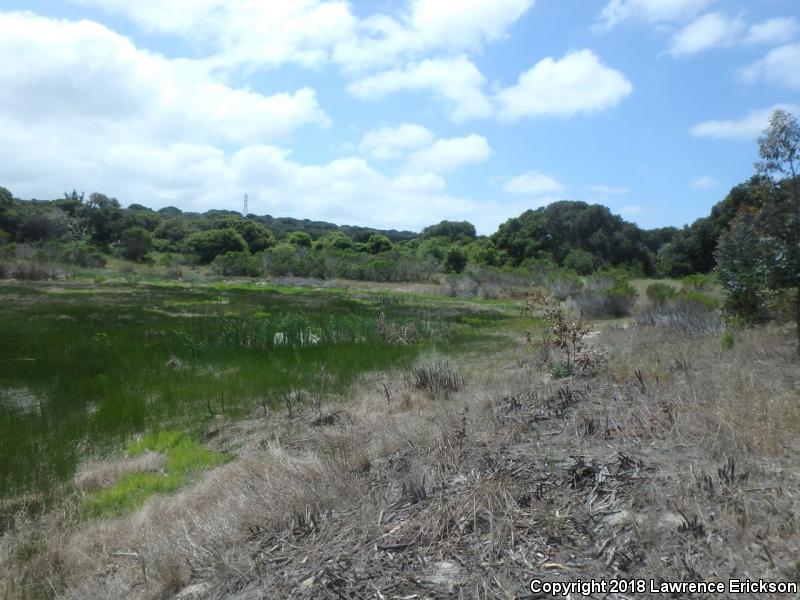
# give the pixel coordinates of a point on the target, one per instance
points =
(184, 457)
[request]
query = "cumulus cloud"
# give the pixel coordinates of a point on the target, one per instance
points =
(533, 184)
(455, 81)
(388, 143)
(709, 31)
(772, 31)
(449, 154)
(81, 72)
(314, 32)
(747, 127)
(778, 67)
(202, 177)
(653, 11)
(578, 82)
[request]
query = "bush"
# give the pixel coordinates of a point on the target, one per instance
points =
(83, 255)
(3, 271)
(238, 264)
(563, 283)
(435, 377)
(455, 261)
(607, 294)
(299, 238)
(727, 341)
(207, 245)
(580, 261)
(135, 243)
(687, 311)
(30, 271)
(660, 293)
(378, 243)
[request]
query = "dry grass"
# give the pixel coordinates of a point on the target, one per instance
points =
(635, 472)
(104, 473)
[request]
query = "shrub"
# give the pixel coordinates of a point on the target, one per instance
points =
(455, 261)
(580, 261)
(699, 282)
(563, 283)
(83, 255)
(607, 294)
(727, 341)
(207, 245)
(378, 243)
(435, 377)
(135, 243)
(562, 370)
(660, 293)
(3, 271)
(30, 271)
(687, 311)
(299, 238)
(238, 264)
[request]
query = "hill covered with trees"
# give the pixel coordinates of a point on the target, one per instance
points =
(575, 236)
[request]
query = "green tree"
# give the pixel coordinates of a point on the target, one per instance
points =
(135, 243)
(779, 149)
(452, 230)
(378, 243)
(207, 245)
(742, 269)
(455, 261)
(299, 238)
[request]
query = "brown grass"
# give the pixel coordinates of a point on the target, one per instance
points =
(637, 471)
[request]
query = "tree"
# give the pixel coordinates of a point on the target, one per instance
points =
(779, 148)
(207, 245)
(378, 243)
(741, 267)
(299, 238)
(452, 230)
(455, 261)
(135, 243)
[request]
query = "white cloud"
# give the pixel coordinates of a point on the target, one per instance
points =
(449, 154)
(533, 184)
(202, 177)
(704, 182)
(456, 81)
(709, 31)
(653, 11)
(747, 127)
(772, 31)
(82, 73)
(778, 67)
(464, 24)
(313, 32)
(577, 83)
(388, 143)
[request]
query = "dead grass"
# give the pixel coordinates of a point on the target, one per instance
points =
(676, 462)
(103, 473)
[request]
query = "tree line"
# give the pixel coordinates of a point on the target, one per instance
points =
(750, 238)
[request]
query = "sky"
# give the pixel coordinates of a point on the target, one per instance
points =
(394, 113)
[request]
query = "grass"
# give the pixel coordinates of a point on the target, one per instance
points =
(184, 457)
(628, 470)
(85, 366)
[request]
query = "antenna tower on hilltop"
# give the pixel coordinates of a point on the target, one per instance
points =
(244, 208)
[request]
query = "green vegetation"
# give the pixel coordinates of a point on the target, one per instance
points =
(85, 366)
(184, 456)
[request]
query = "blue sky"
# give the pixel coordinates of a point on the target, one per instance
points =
(394, 113)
